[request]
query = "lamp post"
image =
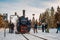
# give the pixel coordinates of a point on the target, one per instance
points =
(5, 18)
(33, 16)
(33, 20)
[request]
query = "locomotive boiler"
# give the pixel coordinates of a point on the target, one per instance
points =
(23, 24)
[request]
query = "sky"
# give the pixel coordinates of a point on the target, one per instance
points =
(31, 6)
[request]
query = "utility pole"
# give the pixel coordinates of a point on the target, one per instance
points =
(33, 20)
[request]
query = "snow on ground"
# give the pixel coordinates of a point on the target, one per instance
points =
(10, 36)
(30, 37)
(50, 36)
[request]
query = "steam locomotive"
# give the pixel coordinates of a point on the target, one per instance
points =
(23, 24)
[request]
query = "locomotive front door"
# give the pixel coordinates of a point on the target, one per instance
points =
(24, 29)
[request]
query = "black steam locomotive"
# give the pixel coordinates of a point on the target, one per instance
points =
(23, 24)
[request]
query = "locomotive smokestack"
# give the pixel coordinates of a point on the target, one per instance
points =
(24, 13)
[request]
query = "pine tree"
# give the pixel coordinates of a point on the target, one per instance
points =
(1, 21)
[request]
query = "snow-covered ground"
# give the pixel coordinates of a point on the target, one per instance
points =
(49, 36)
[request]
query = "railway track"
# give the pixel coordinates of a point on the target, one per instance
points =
(27, 37)
(24, 36)
(38, 37)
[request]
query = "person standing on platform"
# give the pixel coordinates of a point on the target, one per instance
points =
(43, 26)
(11, 28)
(35, 28)
(58, 26)
(46, 25)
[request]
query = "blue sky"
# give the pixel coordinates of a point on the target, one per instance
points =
(31, 6)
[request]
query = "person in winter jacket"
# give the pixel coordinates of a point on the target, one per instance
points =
(58, 26)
